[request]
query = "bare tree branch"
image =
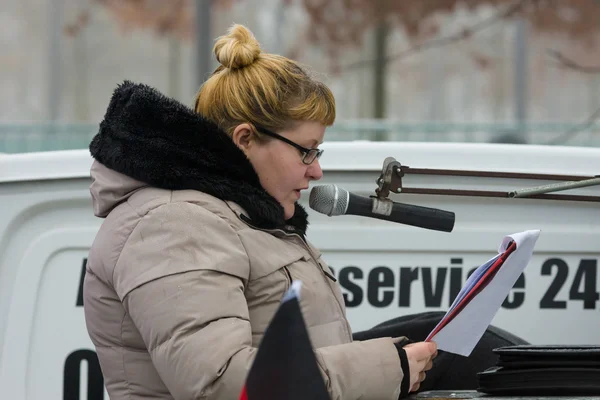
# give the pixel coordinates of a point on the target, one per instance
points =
(566, 62)
(439, 42)
(571, 133)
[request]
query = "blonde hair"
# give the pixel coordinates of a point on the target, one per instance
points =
(263, 89)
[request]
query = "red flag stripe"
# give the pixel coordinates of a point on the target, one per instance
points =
(244, 394)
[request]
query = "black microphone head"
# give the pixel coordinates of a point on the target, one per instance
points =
(329, 200)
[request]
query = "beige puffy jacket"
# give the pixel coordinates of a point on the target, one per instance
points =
(181, 284)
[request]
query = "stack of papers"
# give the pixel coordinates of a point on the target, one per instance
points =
(480, 299)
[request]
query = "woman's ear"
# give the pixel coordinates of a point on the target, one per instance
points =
(243, 137)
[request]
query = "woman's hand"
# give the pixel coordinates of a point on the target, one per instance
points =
(420, 359)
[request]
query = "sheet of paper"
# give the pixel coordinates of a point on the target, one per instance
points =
(463, 332)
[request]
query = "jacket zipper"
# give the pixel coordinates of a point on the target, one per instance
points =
(327, 275)
(289, 276)
(312, 256)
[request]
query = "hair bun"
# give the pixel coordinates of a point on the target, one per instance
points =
(237, 49)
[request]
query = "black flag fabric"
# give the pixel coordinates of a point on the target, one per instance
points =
(285, 366)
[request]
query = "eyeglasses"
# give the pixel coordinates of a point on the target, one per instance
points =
(308, 155)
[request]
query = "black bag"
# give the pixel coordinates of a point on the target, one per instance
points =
(450, 371)
(543, 370)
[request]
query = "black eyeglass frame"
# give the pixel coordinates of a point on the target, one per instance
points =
(306, 152)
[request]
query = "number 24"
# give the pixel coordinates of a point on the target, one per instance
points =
(586, 273)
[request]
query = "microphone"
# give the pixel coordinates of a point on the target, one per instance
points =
(333, 201)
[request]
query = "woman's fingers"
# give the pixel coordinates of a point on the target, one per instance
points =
(415, 387)
(418, 381)
(420, 356)
(428, 366)
(421, 350)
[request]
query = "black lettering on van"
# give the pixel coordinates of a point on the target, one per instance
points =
(433, 295)
(381, 280)
(407, 276)
(79, 301)
(471, 271)
(380, 277)
(72, 374)
(562, 271)
(515, 298)
(584, 286)
(347, 277)
(455, 278)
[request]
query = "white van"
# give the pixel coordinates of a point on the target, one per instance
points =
(385, 269)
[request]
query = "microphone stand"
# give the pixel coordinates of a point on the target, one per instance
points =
(392, 173)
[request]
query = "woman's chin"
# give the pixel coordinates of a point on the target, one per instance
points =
(289, 210)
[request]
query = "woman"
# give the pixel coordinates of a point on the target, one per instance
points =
(203, 235)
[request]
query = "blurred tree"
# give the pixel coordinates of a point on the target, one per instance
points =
(75, 31)
(173, 19)
(339, 24)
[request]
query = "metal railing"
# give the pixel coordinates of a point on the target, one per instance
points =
(33, 137)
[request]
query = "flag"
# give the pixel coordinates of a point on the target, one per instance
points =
(285, 366)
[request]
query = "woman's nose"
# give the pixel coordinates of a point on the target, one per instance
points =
(314, 171)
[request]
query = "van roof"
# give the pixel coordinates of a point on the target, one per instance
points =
(363, 156)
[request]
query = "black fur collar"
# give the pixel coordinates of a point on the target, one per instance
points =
(159, 141)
